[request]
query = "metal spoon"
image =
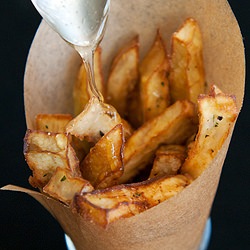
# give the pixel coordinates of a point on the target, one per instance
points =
(81, 23)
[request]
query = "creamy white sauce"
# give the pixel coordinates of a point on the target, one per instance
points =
(80, 22)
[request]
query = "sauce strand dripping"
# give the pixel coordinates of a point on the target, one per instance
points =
(81, 23)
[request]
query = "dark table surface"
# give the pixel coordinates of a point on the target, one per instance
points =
(25, 224)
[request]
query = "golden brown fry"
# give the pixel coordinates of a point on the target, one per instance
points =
(155, 57)
(107, 206)
(134, 108)
(168, 160)
(81, 147)
(154, 87)
(217, 114)
(44, 152)
(81, 90)
(191, 139)
(155, 94)
(63, 186)
(214, 90)
(186, 77)
(127, 129)
(172, 149)
(173, 126)
(57, 124)
(103, 166)
(123, 76)
(95, 121)
(54, 123)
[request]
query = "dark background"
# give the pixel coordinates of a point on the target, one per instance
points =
(24, 223)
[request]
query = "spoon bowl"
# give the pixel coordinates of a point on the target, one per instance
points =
(79, 22)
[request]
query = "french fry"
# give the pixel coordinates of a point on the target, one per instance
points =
(155, 57)
(155, 94)
(109, 205)
(81, 89)
(54, 123)
(190, 145)
(168, 160)
(173, 126)
(154, 87)
(214, 90)
(191, 139)
(103, 166)
(95, 121)
(186, 77)
(44, 152)
(217, 114)
(134, 108)
(123, 76)
(63, 186)
(81, 148)
(127, 129)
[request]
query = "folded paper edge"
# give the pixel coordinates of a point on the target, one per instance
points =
(43, 199)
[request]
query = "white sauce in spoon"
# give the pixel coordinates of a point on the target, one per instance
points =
(79, 22)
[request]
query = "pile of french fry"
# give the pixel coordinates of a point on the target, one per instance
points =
(162, 133)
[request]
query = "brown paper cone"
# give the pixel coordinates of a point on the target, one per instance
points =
(177, 223)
